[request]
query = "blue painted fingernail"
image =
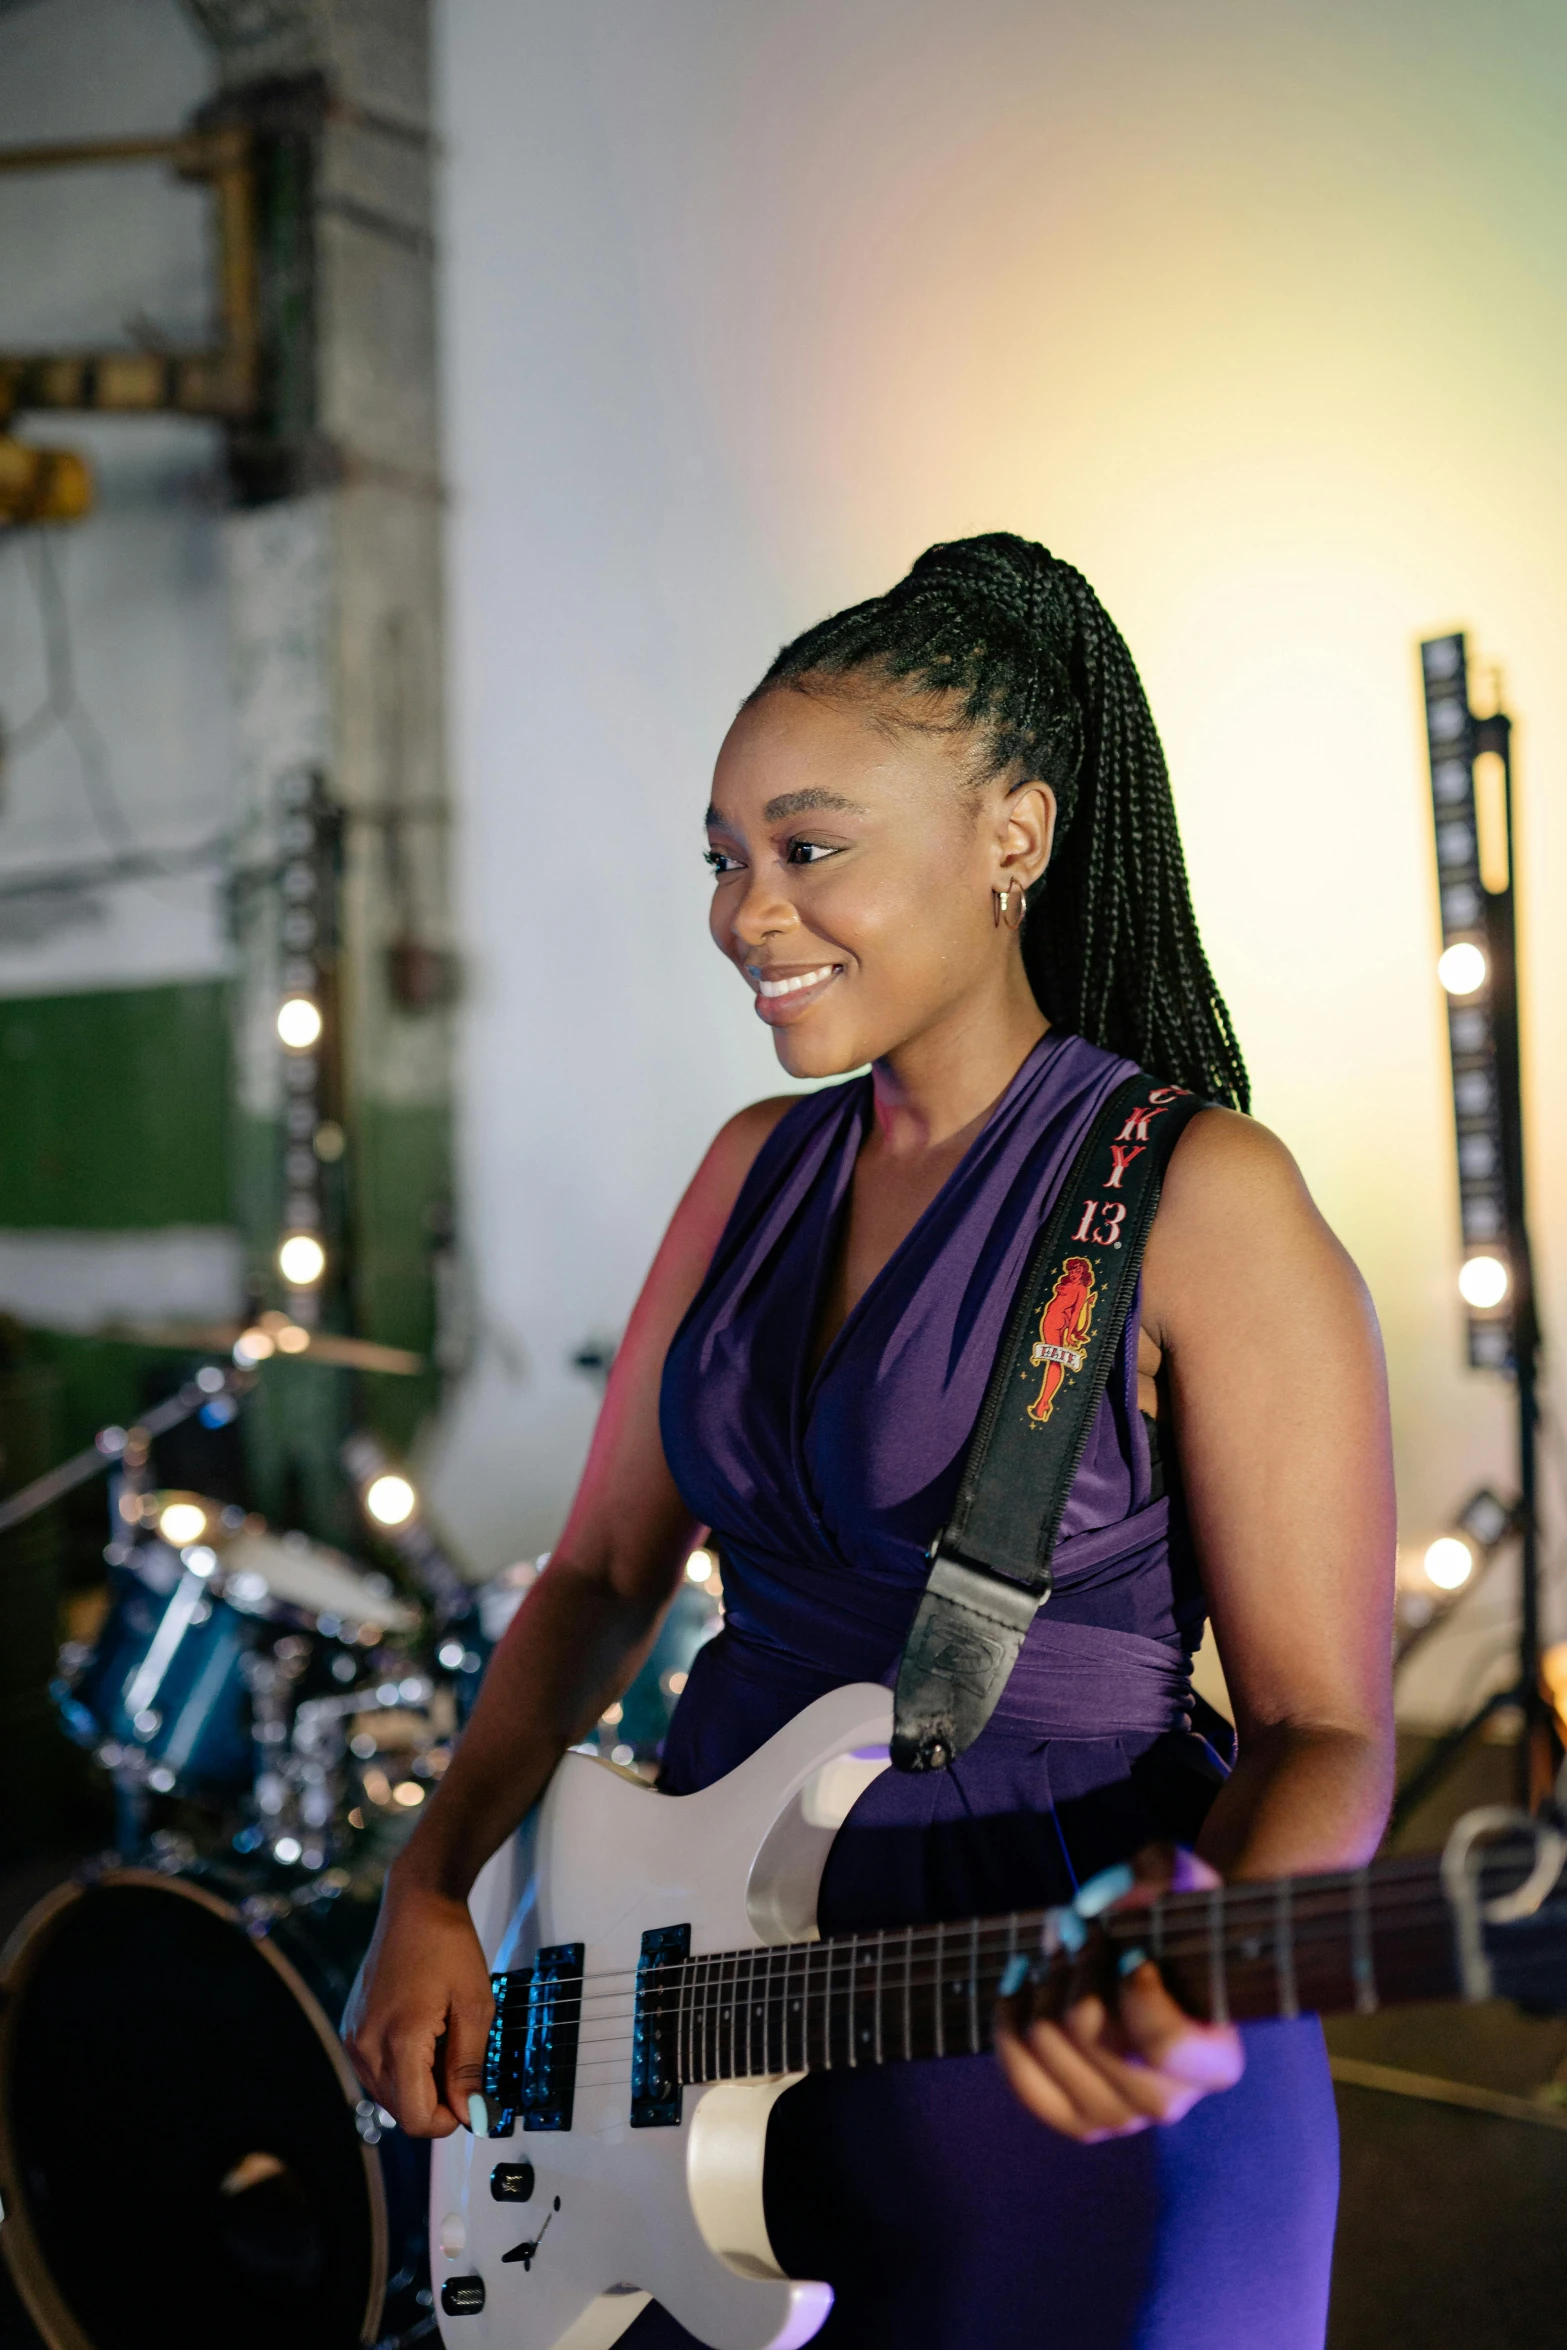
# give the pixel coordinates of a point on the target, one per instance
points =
(478, 2116)
(1132, 1959)
(1100, 1891)
(1070, 1931)
(1015, 1977)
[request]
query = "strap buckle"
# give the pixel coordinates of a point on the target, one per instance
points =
(965, 1639)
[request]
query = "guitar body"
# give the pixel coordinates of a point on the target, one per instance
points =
(669, 2213)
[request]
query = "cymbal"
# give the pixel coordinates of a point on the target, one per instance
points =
(320, 1346)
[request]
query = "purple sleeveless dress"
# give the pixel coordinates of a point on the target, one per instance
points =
(942, 2213)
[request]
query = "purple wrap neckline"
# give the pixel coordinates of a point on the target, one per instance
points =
(824, 1491)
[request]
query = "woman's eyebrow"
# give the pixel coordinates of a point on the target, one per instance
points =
(795, 803)
(791, 803)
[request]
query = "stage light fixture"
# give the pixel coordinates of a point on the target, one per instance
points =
(1462, 968)
(391, 1500)
(1482, 1282)
(1449, 1563)
(301, 1260)
(299, 1023)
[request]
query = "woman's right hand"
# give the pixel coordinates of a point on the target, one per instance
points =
(419, 2013)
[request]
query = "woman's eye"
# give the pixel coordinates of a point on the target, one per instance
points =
(718, 861)
(809, 852)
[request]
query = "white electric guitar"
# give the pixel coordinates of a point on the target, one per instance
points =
(659, 1984)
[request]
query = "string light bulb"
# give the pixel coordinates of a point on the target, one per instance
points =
(391, 1500)
(301, 1260)
(182, 1522)
(1462, 968)
(1482, 1282)
(1449, 1563)
(299, 1023)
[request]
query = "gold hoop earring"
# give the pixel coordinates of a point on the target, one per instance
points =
(1008, 906)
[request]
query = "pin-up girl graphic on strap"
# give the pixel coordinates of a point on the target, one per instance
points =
(1063, 1332)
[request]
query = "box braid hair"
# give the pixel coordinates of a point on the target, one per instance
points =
(1048, 687)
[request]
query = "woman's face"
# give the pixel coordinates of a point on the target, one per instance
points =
(854, 865)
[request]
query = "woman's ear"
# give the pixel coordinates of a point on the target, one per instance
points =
(1028, 831)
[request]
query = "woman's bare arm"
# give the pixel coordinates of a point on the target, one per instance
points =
(574, 1644)
(1273, 1369)
(1279, 1405)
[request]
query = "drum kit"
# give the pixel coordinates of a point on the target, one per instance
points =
(185, 2154)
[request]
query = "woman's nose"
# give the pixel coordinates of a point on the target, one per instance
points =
(763, 909)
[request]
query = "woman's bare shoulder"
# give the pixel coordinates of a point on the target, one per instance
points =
(1236, 1218)
(734, 1148)
(711, 1194)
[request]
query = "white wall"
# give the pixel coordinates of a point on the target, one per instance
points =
(1256, 315)
(94, 258)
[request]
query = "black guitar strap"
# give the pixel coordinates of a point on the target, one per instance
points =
(990, 1572)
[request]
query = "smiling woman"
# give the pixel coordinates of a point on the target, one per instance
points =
(804, 1373)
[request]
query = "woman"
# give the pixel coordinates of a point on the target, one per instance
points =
(803, 1371)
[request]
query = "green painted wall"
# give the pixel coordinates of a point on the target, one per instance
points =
(114, 1109)
(116, 1114)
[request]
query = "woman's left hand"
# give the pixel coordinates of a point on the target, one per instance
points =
(1102, 2069)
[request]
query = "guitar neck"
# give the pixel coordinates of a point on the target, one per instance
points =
(1363, 1939)
(1238, 1953)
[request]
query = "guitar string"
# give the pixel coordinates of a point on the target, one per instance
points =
(709, 2012)
(1324, 1944)
(593, 2076)
(1413, 1909)
(1317, 1910)
(669, 1983)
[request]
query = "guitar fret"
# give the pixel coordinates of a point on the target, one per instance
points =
(1156, 1935)
(707, 2019)
(1218, 1986)
(1284, 1948)
(941, 1967)
(734, 2012)
(1362, 1967)
(908, 1991)
(881, 1948)
(854, 1956)
(682, 2022)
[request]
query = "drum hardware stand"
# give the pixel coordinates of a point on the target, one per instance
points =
(110, 1447)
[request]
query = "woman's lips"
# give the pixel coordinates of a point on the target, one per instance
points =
(783, 996)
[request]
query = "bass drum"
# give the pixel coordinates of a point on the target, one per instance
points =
(185, 2155)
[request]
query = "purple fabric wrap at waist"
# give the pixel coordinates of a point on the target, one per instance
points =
(1074, 1678)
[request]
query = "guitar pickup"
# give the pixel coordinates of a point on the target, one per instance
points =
(530, 2070)
(655, 2043)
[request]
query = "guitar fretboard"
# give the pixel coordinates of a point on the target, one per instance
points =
(1324, 1945)
(1321, 1944)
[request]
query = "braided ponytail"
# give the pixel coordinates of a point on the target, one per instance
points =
(1047, 686)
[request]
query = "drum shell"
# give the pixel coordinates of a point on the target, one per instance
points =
(160, 2033)
(202, 1700)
